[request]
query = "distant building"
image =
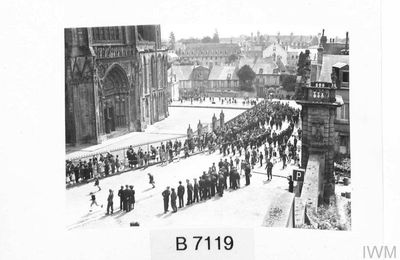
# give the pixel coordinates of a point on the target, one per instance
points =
(292, 41)
(194, 81)
(276, 52)
(222, 81)
(200, 79)
(115, 81)
(267, 76)
(182, 75)
(254, 51)
(208, 53)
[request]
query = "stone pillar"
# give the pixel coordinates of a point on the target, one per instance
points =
(189, 132)
(318, 126)
(222, 119)
(214, 123)
(199, 129)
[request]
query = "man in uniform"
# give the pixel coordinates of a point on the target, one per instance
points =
(221, 181)
(181, 192)
(220, 164)
(290, 181)
(189, 187)
(110, 202)
(121, 197)
(195, 191)
(132, 197)
(201, 188)
(127, 206)
(173, 200)
(213, 183)
(247, 173)
(165, 195)
(269, 167)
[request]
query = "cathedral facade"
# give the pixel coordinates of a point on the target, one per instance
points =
(115, 81)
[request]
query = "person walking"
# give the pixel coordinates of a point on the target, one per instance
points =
(173, 200)
(284, 158)
(165, 195)
(151, 180)
(261, 157)
(181, 192)
(110, 203)
(269, 167)
(96, 183)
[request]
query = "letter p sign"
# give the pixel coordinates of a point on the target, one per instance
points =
(298, 175)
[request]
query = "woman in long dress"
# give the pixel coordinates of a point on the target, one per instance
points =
(117, 163)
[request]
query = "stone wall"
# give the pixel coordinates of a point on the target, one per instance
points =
(318, 125)
(281, 212)
(311, 190)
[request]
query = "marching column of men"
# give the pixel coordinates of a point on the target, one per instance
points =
(209, 185)
(247, 133)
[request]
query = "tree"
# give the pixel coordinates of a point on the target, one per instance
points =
(206, 39)
(232, 58)
(288, 82)
(172, 41)
(304, 71)
(215, 38)
(246, 76)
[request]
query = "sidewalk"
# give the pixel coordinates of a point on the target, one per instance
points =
(133, 138)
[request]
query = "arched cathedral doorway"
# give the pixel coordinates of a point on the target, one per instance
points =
(115, 100)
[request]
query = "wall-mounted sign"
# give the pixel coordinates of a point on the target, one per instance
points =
(298, 175)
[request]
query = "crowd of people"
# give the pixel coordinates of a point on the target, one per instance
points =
(255, 136)
(102, 165)
(249, 134)
(108, 164)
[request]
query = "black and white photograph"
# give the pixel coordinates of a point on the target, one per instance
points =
(251, 130)
(201, 130)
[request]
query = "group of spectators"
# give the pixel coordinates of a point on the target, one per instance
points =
(93, 168)
(108, 164)
(221, 100)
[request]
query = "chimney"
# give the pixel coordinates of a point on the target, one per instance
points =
(347, 41)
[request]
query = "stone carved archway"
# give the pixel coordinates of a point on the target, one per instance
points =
(115, 99)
